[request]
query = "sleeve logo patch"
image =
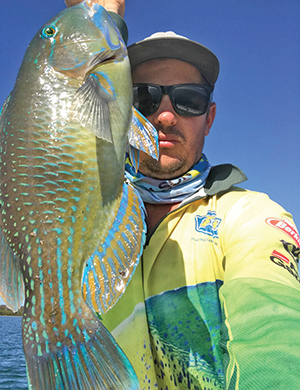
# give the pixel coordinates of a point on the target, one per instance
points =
(286, 227)
(280, 256)
(208, 224)
(291, 265)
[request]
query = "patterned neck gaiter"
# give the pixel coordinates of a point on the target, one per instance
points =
(169, 191)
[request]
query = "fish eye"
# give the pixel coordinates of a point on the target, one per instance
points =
(49, 32)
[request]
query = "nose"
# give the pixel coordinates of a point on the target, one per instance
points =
(165, 114)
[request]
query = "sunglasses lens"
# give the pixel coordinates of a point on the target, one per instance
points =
(190, 100)
(146, 98)
(187, 99)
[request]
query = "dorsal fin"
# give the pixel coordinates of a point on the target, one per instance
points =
(11, 278)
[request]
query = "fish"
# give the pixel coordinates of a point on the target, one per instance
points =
(72, 229)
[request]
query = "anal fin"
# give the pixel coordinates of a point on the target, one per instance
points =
(111, 266)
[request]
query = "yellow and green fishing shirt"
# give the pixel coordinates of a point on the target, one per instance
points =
(215, 301)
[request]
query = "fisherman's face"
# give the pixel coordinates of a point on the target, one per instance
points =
(181, 138)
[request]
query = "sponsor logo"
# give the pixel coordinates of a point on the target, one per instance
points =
(286, 227)
(282, 261)
(280, 256)
(208, 224)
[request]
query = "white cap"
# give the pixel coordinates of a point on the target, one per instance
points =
(162, 45)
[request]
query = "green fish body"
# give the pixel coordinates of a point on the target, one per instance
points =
(71, 230)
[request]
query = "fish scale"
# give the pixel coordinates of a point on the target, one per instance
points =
(71, 230)
(39, 197)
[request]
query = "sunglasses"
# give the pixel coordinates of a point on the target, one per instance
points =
(186, 99)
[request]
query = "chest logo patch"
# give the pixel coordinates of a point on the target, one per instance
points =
(208, 224)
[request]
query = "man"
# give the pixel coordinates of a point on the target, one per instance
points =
(215, 301)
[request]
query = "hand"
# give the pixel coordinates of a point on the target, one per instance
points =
(117, 6)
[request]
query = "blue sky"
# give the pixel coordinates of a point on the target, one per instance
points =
(257, 126)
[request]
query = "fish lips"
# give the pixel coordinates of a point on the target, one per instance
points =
(73, 66)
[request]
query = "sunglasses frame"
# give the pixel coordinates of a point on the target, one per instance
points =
(168, 90)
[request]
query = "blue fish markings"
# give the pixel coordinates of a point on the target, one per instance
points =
(71, 230)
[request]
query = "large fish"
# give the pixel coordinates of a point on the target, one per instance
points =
(71, 230)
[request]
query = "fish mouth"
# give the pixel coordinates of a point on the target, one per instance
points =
(103, 57)
(82, 67)
(99, 59)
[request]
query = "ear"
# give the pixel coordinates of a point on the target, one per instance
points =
(211, 117)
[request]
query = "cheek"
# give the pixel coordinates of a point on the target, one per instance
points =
(143, 156)
(195, 134)
(195, 129)
(150, 118)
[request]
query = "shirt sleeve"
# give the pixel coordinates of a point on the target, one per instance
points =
(260, 298)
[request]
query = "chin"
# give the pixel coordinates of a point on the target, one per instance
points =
(167, 167)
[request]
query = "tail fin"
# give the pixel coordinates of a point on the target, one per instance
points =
(85, 359)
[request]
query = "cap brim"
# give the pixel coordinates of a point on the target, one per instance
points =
(176, 48)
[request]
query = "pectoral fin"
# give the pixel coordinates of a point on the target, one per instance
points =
(110, 268)
(91, 108)
(142, 137)
(11, 278)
